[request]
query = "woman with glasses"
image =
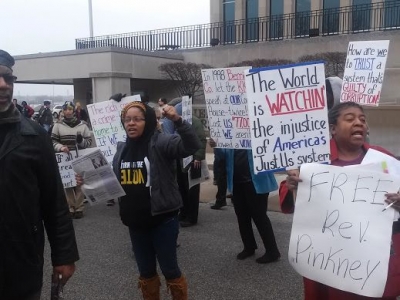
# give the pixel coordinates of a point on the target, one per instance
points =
(144, 165)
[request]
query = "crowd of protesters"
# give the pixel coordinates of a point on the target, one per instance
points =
(156, 204)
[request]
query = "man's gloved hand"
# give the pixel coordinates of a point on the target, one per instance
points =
(117, 97)
(79, 138)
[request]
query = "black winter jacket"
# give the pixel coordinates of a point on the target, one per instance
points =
(31, 199)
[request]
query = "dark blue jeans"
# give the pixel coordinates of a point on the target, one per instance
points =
(159, 243)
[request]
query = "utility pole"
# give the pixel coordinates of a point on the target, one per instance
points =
(90, 18)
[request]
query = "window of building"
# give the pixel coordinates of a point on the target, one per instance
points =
(361, 15)
(276, 19)
(331, 17)
(303, 17)
(229, 21)
(252, 20)
(392, 14)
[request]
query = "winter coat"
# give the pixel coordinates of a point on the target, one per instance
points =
(32, 198)
(163, 150)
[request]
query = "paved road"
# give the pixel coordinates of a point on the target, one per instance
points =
(107, 270)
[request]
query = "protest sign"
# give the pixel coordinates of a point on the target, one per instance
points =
(106, 123)
(64, 161)
(288, 116)
(187, 116)
(340, 235)
(364, 70)
(226, 101)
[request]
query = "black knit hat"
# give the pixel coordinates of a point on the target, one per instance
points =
(6, 59)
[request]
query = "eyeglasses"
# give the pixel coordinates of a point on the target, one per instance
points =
(134, 119)
(9, 79)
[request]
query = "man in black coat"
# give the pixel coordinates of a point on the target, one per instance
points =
(32, 199)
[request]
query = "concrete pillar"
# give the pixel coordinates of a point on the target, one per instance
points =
(264, 8)
(316, 4)
(83, 91)
(107, 84)
(216, 13)
(289, 7)
(240, 9)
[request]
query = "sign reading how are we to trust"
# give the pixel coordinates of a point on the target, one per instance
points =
(108, 130)
(340, 235)
(226, 101)
(288, 116)
(363, 75)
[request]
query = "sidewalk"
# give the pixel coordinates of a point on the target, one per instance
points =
(208, 190)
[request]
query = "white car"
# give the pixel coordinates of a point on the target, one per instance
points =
(56, 111)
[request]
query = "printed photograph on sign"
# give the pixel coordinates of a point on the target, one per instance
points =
(288, 116)
(106, 123)
(364, 71)
(226, 102)
(341, 237)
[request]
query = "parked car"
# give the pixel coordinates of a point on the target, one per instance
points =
(36, 110)
(56, 111)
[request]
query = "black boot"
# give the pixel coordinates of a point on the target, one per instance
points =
(218, 205)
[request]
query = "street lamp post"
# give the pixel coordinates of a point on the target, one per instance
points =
(90, 18)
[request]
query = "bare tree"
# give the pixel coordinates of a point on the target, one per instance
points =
(184, 77)
(334, 62)
(262, 62)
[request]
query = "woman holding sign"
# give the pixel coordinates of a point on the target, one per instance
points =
(348, 147)
(145, 167)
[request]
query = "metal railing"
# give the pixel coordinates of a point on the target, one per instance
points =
(344, 20)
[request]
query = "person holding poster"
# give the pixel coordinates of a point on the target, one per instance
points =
(348, 128)
(250, 201)
(70, 134)
(145, 167)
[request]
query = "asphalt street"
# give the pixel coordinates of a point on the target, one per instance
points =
(207, 256)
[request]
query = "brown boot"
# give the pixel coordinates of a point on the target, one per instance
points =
(178, 288)
(150, 287)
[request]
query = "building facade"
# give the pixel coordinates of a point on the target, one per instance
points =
(264, 20)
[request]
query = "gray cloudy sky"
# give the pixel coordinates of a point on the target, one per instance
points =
(32, 26)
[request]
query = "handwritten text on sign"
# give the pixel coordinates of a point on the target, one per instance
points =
(108, 130)
(363, 75)
(288, 116)
(340, 236)
(226, 102)
(187, 115)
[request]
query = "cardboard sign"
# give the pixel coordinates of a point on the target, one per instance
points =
(364, 70)
(288, 116)
(108, 130)
(226, 101)
(187, 116)
(340, 235)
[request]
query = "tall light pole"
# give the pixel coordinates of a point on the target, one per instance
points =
(90, 18)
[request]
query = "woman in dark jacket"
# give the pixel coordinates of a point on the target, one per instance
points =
(144, 165)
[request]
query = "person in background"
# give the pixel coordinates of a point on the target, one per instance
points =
(145, 167)
(32, 200)
(348, 126)
(162, 102)
(69, 134)
(250, 201)
(189, 213)
(219, 169)
(81, 113)
(19, 107)
(27, 111)
(45, 116)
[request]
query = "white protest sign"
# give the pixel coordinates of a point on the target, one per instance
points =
(108, 130)
(392, 165)
(288, 116)
(226, 101)
(364, 70)
(187, 116)
(64, 161)
(340, 235)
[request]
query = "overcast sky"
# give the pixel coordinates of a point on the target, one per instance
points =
(32, 26)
